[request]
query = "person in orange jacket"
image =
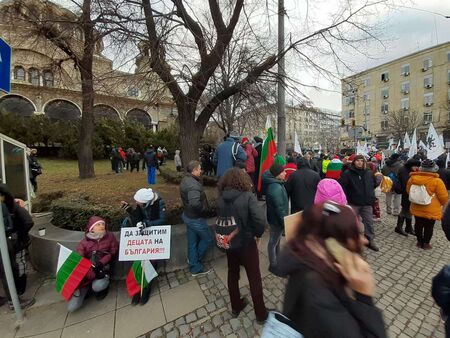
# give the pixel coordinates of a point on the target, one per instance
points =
(426, 215)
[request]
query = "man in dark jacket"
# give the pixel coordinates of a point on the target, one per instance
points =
(359, 186)
(312, 162)
(277, 208)
(151, 161)
(393, 198)
(227, 153)
(195, 206)
(301, 186)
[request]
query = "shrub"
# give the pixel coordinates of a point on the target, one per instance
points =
(43, 201)
(175, 177)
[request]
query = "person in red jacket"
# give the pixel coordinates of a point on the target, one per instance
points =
(100, 247)
(251, 153)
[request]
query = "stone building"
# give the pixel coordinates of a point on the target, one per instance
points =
(414, 86)
(45, 81)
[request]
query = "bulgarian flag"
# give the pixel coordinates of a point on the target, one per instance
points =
(138, 278)
(334, 169)
(71, 269)
(268, 152)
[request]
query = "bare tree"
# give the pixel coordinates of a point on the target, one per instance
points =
(178, 51)
(402, 121)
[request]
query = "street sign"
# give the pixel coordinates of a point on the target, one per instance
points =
(5, 66)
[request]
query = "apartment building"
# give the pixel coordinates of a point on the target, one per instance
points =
(408, 92)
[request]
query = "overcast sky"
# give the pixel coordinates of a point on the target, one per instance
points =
(406, 30)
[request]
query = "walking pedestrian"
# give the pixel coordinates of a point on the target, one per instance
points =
(152, 164)
(391, 169)
(277, 208)
(177, 159)
(428, 195)
(227, 153)
(359, 185)
(327, 297)
(236, 200)
(412, 165)
(251, 154)
(35, 168)
(195, 204)
(301, 186)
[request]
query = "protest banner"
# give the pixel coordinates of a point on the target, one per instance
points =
(148, 244)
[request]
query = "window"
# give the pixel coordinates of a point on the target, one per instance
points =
(404, 104)
(405, 88)
(405, 70)
(384, 107)
(448, 77)
(385, 76)
(366, 111)
(448, 56)
(47, 77)
(33, 76)
(427, 117)
(366, 97)
(133, 91)
(351, 114)
(350, 100)
(427, 63)
(428, 99)
(404, 120)
(19, 73)
(384, 124)
(384, 93)
(366, 82)
(428, 81)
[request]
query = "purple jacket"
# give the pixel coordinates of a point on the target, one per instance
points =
(330, 190)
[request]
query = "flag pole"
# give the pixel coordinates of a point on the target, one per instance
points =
(142, 276)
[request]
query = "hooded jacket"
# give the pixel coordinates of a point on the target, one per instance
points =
(248, 214)
(301, 186)
(193, 197)
(330, 190)
(151, 213)
(223, 157)
(177, 159)
(251, 154)
(276, 200)
(435, 188)
(150, 159)
(392, 165)
(316, 311)
(359, 186)
(101, 250)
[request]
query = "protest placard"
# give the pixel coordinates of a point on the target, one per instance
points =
(149, 244)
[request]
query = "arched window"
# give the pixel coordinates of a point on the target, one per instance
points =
(62, 110)
(17, 105)
(19, 73)
(141, 116)
(105, 111)
(133, 91)
(33, 76)
(47, 76)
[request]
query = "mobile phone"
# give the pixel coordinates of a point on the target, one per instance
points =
(337, 250)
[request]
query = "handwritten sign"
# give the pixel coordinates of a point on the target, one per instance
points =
(150, 243)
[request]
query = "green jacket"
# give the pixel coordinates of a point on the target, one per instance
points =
(276, 200)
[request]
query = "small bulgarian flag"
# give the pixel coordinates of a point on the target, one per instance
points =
(70, 271)
(268, 152)
(138, 278)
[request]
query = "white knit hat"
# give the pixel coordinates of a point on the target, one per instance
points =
(144, 195)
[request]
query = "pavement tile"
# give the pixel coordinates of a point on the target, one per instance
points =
(43, 319)
(46, 294)
(7, 323)
(182, 300)
(98, 327)
(132, 321)
(52, 334)
(93, 308)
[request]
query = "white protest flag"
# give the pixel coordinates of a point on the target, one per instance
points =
(441, 138)
(435, 148)
(423, 146)
(383, 159)
(397, 148)
(320, 149)
(413, 145)
(406, 141)
(358, 148)
(391, 143)
(297, 147)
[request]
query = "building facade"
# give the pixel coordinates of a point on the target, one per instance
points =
(46, 81)
(385, 101)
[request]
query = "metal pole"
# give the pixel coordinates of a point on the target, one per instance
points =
(281, 125)
(8, 271)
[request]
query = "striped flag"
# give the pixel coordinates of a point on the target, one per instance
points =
(136, 277)
(268, 152)
(70, 271)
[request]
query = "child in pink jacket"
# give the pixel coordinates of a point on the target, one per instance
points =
(330, 190)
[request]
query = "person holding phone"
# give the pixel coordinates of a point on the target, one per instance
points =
(330, 287)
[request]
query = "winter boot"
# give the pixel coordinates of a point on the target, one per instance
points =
(399, 227)
(409, 228)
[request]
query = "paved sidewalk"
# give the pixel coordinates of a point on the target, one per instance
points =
(182, 306)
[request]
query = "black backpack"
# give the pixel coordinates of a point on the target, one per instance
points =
(227, 229)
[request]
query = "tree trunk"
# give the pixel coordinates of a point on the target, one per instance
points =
(85, 157)
(189, 139)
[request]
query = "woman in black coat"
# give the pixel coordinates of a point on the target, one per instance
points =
(405, 215)
(324, 298)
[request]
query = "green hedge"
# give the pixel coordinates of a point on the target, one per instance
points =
(175, 177)
(73, 213)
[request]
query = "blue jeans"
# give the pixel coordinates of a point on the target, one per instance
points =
(199, 240)
(151, 175)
